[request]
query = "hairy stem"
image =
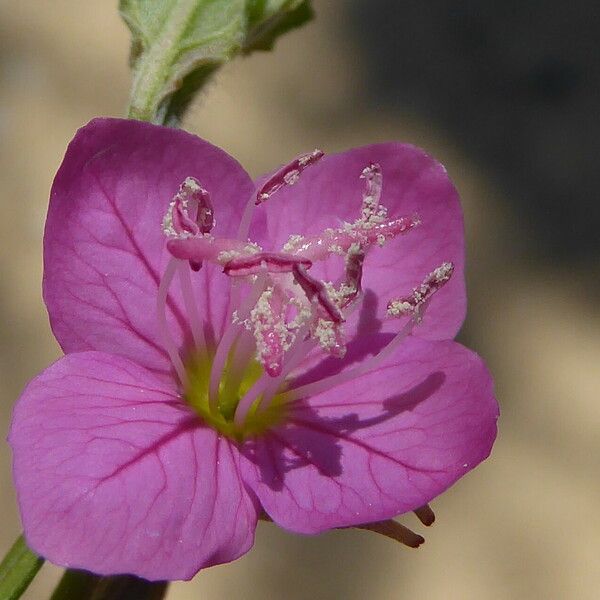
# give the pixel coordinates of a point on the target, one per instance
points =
(152, 70)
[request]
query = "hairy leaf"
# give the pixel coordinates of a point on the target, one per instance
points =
(178, 44)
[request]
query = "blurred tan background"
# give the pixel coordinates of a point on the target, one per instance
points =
(523, 525)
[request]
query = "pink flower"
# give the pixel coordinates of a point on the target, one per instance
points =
(235, 350)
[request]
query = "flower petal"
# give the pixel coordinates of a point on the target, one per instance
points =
(380, 445)
(104, 248)
(114, 475)
(329, 192)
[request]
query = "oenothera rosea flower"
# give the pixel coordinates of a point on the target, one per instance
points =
(236, 350)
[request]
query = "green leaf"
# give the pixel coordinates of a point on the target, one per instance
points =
(269, 20)
(17, 570)
(178, 44)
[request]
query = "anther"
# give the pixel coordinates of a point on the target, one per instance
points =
(180, 222)
(338, 241)
(272, 337)
(203, 247)
(351, 288)
(287, 175)
(271, 262)
(372, 193)
(412, 305)
(205, 217)
(316, 290)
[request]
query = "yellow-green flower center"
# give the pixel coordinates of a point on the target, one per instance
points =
(233, 385)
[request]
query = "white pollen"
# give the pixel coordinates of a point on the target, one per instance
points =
(226, 255)
(292, 243)
(398, 308)
(354, 249)
(252, 248)
(292, 177)
(192, 184)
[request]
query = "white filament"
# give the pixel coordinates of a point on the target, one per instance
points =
(191, 306)
(161, 314)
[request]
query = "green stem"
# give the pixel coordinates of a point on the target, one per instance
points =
(81, 585)
(152, 69)
(17, 570)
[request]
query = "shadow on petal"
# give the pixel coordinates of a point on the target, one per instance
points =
(308, 439)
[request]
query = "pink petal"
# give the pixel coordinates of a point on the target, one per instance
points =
(114, 475)
(104, 248)
(383, 444)
(413, 182)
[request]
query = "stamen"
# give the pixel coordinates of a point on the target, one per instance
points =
(181, 222)
(190, 212)
(338, 241)
(244, 228)
(161, 306)
(203, 247)
(245, 404)
(205, 217)
(351, 288)
(191, 307)
(330, 337)
(372, 194)
(239, 359)
(272, 262)
(227, 340)
(425, 515)
(316, 387)
(413, 304)
(296, 353)
(272, 336)
(287, 175)
(268, 387)
(395, 531)
(316, 290)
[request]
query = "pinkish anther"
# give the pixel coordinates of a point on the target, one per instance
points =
(287, 175)
(339, 241)
(412, 305)
(316, 290)
(190, 213)
(206, 247)
(272, 336)
(372, 193)
(181, 221)
(205, 217)
(271, 262)
(351, 287)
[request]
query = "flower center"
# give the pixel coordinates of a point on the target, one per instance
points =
(235, 382)
(283, 313)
